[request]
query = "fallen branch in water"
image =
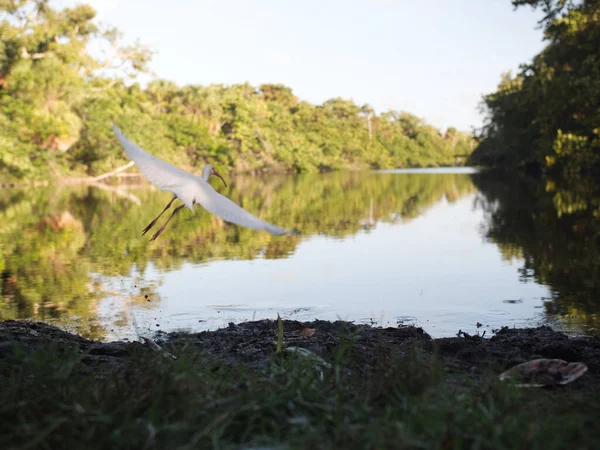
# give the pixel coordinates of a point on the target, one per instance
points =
(114, 172)
(117, 190)
(101, 177)
(128, 175)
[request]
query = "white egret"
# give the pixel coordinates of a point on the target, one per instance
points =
(191, 189)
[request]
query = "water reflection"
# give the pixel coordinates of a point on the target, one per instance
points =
(59, 247)
(554, 229)
(389, 247)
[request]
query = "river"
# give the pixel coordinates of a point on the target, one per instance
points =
(444, 249)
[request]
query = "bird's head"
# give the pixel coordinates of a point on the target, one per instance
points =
(210, 170)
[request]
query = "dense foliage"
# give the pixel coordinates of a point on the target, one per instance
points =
(57, 100)
(547, 117)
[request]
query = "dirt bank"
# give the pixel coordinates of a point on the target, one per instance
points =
(352, 387)
(254, 343)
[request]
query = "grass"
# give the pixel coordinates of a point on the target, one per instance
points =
(55, 398)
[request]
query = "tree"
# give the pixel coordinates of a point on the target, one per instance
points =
(278, 93)
(57, 102)
(551, 8)
(546, 117)
(367, 112)
(46, 73)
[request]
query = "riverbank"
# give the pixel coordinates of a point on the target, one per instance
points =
(358, 387)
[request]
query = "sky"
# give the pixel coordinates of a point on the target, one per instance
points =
(432, 58)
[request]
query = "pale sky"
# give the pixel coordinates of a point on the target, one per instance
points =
(432, 58)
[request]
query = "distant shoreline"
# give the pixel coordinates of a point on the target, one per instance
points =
(122, 177)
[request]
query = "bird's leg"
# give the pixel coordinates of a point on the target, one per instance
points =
(161, 229)
(151, 224)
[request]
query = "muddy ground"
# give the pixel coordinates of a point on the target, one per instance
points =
(254, 343)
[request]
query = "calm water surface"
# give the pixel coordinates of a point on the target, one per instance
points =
(442, 249)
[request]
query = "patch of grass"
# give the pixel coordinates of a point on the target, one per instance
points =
(54, 398)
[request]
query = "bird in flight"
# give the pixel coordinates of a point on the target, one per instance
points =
(191, 189)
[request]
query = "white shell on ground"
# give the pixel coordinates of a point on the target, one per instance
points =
(544, 372)
(157, 348)
(307, 354)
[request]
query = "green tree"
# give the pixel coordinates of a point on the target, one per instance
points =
(57, 102)
(46, 73)
(547, 116)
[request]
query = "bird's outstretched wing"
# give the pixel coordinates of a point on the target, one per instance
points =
(170, 178)
(158, 172)
(227, 210)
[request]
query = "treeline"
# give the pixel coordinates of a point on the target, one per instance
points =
(57, 100)
(547, 117)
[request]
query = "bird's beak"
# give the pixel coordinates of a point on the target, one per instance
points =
(216, 174)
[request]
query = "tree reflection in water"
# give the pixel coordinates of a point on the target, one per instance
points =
(58, 244)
